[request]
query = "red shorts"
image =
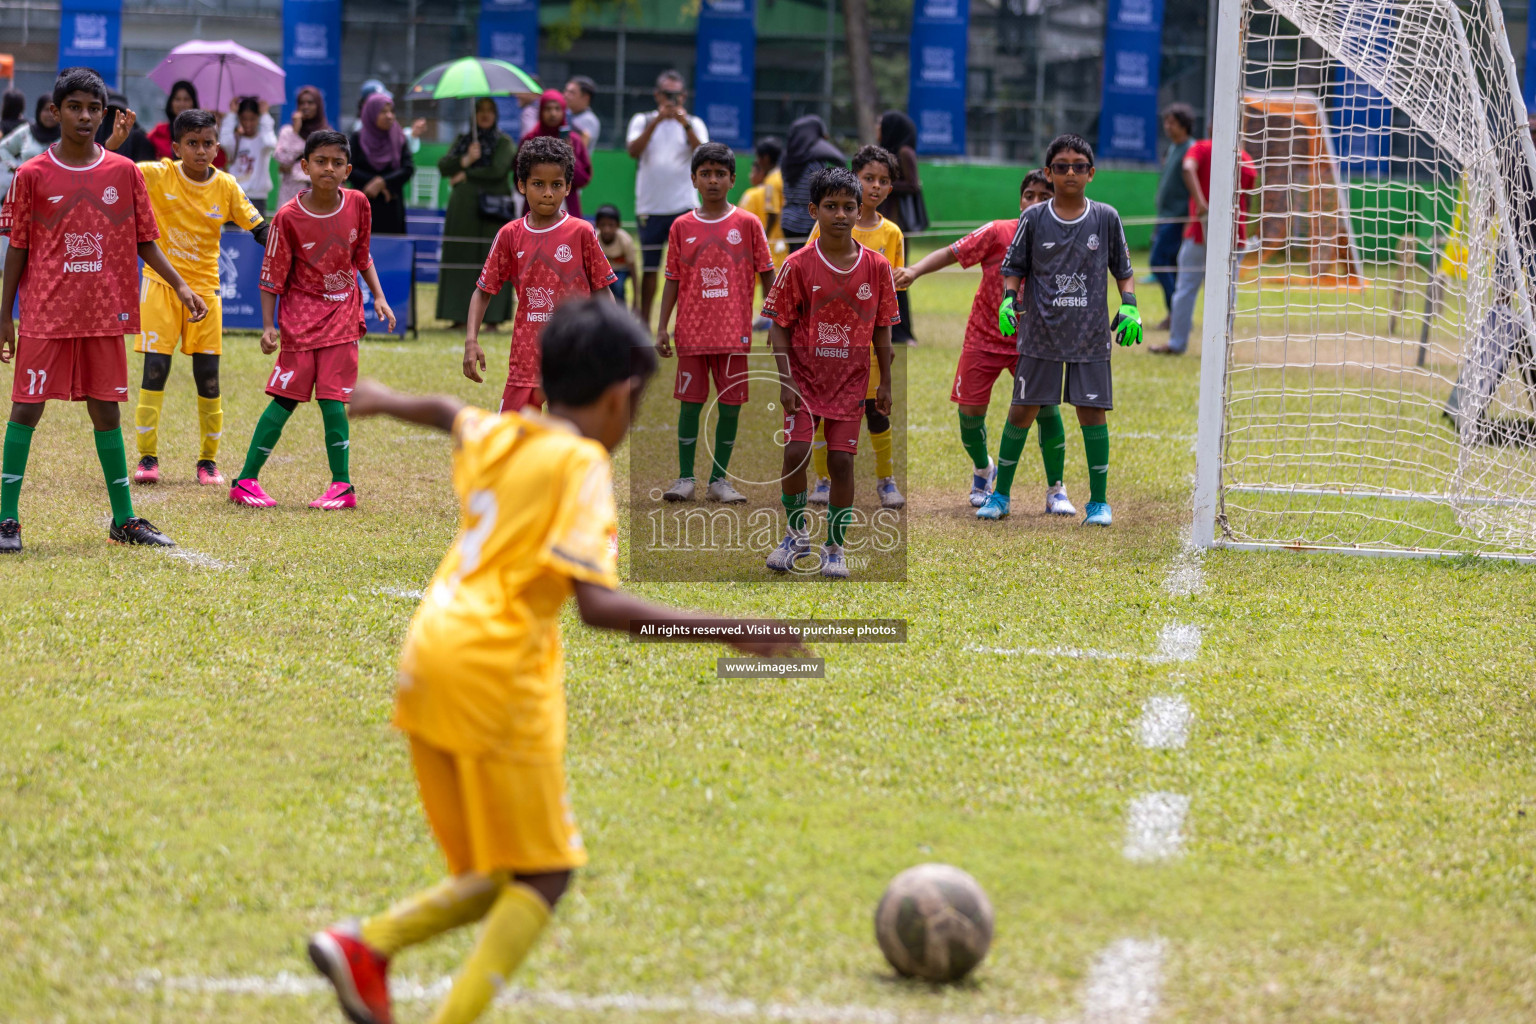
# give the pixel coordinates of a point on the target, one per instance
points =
(728, 369)
(977, 371)
(515, 396)
(330, 372)
(70, 370)
(840, 435)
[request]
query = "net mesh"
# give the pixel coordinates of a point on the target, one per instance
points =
(1380, 369)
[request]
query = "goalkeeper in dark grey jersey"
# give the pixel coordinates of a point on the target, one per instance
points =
(1063, 255)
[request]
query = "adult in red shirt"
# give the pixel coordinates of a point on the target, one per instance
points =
(183, 97)
(79, 221)
(547, 257)
(1191, 263)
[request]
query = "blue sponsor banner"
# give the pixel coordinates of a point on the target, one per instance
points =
(90, 34)
(726, 70)
(1361, 116)
(240, 273)
(509, 31)
(312, 52)
(936, 83)
(1530, 59)
(1133, 54)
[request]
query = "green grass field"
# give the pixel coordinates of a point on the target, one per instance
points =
(197, 767)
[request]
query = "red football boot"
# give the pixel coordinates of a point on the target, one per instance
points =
(358, 974)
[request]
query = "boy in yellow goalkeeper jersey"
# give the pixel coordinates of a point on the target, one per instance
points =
(480, 685)
(192, 201)
(874, 167)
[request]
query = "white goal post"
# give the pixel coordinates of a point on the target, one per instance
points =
(1368, 363)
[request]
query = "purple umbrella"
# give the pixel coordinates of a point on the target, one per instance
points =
(221, 70)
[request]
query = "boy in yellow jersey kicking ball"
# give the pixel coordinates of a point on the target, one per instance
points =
(481, 697)
(873, 167)
(192, 202)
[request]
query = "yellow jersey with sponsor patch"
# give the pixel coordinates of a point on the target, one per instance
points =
(482, 671)
(192, 215)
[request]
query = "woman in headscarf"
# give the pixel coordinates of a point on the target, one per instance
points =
(806, 151)
(22, 144)
(308, 116)
(479, 163)
(183, 96)
(898, 135)
(382, 164)
(13, 111)
(552, 122)
(136, 146)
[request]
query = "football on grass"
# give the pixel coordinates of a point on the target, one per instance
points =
(934, 922)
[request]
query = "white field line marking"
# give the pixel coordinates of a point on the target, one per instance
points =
(400, 592)
(197, 558)
(1154, 827)
(286, 983)
(1124, 985)
(1178, 642)
(1164, 723)
(1186, 576)
(1175, 642)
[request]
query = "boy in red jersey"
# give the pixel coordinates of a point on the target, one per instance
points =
(986, 353)
(831, 301)
(80, 220)
(316, 247)
(712, 254)
(548, 256)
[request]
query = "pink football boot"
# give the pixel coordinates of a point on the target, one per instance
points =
(147, 471)
(249, 493)
(338, 495)
(208, 473)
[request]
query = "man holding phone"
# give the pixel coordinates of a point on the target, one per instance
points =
(662, 141)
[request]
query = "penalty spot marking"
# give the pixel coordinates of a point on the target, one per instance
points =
(1154, 827)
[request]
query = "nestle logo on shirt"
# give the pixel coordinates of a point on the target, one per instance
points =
(828, 335)
(82, 252)
(716, 283)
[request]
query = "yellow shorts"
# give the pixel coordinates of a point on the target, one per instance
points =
(163, 319)
(498, 814)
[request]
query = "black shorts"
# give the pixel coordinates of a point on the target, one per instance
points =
(654, 228)
(1039, 382)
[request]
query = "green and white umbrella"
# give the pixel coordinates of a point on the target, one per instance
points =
(472, 77)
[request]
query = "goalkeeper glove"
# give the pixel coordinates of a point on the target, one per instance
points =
(1127, 325)
(1007, 317)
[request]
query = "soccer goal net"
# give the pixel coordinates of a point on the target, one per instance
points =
(1368, 374)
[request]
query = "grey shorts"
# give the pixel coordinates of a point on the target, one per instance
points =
(1039, 382)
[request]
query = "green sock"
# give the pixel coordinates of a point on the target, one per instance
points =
(1096, 446)
(794, 504)
(114, 467)
(837, 523)
(725, 439)
(18, 445)
(1008, 453)
(1053, 443)
(687, 436)
(268, 429)
(338, 442)
(973, 435)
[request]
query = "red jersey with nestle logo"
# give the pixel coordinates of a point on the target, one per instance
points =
(832, 315)
(715, 264)
(987, 245)
(312, 261)
(81, 227)
(546, 266)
